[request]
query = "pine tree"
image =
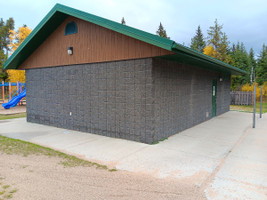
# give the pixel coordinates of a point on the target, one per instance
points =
(219, 41)
(5, 27)
(215, 35)
(197, 42)
(223, 49)
(261, 70)
(253, 65)
(162, 32)
(233, 48)
(3, 74)
(240, 59)
(123, 21)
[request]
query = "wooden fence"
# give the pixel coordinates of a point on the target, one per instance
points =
(241, 98)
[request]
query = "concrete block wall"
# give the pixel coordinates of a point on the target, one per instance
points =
(111, 99)
(223, 95)
(143, 100)
(183, 96)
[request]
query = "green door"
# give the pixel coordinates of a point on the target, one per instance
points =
(214, 94)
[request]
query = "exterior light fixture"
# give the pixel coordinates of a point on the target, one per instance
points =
(221, 79)
(70, 50)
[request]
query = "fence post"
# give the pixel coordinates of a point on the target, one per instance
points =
(254, 108)
(261, 103)
(3, 89)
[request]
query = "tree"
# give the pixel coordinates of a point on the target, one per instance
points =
(3, 74)
(219, 41)
(253, 65)
(16, 38)
(162, 32)
(197, 42)
(261, 70)
(240, 59)
(5, 27)
(223, 49)
(215, 35)
(210, 51)
(123, 21)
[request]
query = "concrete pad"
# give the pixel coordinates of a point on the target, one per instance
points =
(243, 174)
(65, 140)
(163, 163)
(20, 129)
(224, 156)
(107, 149)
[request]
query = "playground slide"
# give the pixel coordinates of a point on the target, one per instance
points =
(14, 101)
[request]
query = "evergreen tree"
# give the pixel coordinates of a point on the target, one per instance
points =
(162, 32)
(240, 59)
(215, 35)
(223, 49)
(5, 27)
(123, 21)
(261, 70)
(233, 48)
(3, 74)
(197, 42)
(219, 41)
(253, 65)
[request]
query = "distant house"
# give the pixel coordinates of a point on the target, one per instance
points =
(91, 74)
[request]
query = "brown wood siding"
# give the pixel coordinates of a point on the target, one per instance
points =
(91, 44)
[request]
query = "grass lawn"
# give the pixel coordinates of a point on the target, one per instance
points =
(15, 146)
(12, 116)
(250, 108)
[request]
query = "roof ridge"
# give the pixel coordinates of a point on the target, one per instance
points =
(113, 24)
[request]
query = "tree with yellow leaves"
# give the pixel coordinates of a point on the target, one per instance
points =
(210, 51)
(16, 38)
(250, 88)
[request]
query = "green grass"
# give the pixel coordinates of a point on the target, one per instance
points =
(13, 191)
(5, 186)
(15, 146)
(8, 196)
(156, 142)
(250, 108)
(12, 116)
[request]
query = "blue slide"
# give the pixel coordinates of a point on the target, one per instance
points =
(14, 101)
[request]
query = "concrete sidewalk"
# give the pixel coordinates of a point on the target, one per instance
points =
(223, 156)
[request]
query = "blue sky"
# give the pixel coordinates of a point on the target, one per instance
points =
(243, 20)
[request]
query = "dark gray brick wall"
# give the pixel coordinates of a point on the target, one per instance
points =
(183, 96)
(112, 99)
(142, 100)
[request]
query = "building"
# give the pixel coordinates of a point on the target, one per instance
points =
(91, 74)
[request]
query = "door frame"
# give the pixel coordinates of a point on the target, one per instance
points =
(214, 97)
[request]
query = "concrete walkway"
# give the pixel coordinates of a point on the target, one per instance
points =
(223, 156)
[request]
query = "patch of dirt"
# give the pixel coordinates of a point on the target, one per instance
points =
(13, 110)
(41, 177)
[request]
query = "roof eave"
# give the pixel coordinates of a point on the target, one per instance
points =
(180, 48)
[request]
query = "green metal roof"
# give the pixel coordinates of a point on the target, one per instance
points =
(60, 12)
